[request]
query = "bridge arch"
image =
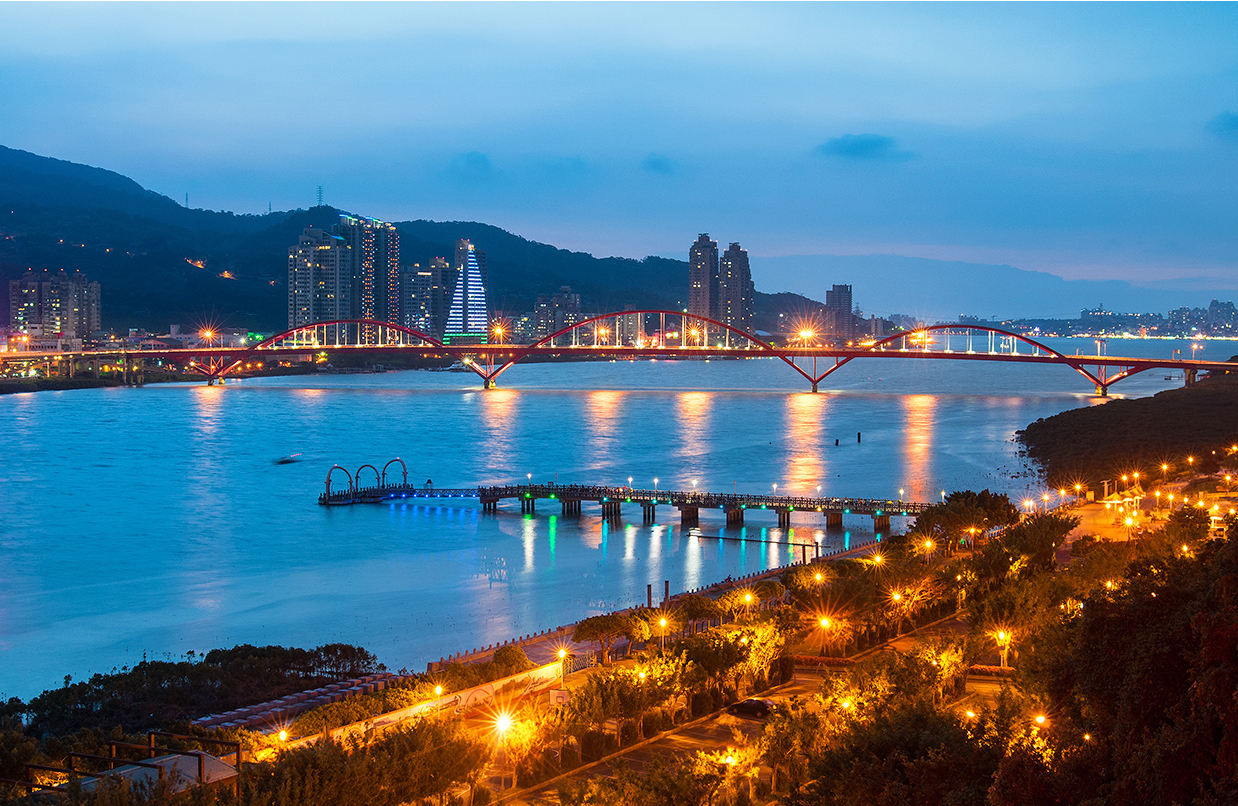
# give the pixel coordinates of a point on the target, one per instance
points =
(522, 351)
(224, 368)
(1077, 363)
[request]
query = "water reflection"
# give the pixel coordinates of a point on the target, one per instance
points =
(498, 414)
(602, 408)
(918, 423)
(806, 467)
(693, 409)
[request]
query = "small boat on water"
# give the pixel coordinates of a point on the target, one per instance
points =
(289, 459)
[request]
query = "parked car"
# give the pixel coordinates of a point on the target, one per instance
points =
(752, 708)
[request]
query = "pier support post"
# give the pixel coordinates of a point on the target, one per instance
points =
(735, 517)
(833, 520)
(1103, 391)
(689, 516)
(784, 519)
(649, 512)
(881, 524)
(814, 386)
(1188, 376)
(527, 505)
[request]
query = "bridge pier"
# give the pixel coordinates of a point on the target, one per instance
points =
(784, 519)
(814, 386)
(610, 510)
(735, 517)
(648, 512)
(833, 519)
(527, 505)
(1102, 391)
(1188, 376)
(689, 516)
(490, 505)
(571, 506)
(881, 524)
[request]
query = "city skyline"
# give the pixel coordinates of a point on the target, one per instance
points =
(1076, 140)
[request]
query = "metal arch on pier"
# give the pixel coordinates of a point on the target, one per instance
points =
(403, 471)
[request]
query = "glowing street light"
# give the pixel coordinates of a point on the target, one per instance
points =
(655, 484)
(1003, 638)
(662, 624)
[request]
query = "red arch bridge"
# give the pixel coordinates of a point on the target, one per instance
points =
(620, 336)
(376, 489)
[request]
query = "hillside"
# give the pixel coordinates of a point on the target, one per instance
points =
(160, 263)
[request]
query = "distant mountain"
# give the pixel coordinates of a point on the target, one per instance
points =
(940, 290)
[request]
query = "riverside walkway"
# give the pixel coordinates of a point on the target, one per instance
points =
(570, 498)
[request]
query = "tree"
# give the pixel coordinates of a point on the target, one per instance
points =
(603, 630)
(694, 608)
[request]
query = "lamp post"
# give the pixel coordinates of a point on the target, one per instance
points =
(1003, 639)
(825, 633)
(655, 484)
(662, 624)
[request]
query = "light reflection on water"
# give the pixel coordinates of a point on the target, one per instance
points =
(153, 521)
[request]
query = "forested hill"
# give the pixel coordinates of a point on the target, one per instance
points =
(161, 263)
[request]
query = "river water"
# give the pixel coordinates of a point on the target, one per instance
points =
(145, 522)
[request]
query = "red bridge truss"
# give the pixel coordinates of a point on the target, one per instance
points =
(635, 334)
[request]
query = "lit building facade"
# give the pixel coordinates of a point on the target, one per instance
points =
(320, 278)
(468, 319)
(56, 304)
(703, 277)
(736, 292)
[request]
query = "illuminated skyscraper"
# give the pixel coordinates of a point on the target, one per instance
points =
(320, 279)
(468, 319)
(376, 267)
(703, 277)
(735, 289)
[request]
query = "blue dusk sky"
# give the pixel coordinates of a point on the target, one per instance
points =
(1095, 140)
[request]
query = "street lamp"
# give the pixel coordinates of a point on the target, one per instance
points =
(1003, 639)
(900, 493)
(775, 489)
(529, 476)
(662, 624)
(629, 482)
(825, 634)
(655, 484)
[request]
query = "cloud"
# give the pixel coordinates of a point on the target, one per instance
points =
(1225, 125)
(658, 164)
(472, 166)
(874, 147)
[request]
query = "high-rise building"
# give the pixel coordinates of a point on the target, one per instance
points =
(557, 311)
(417, 298)
(703, 277)
(320, 279)
(468, 320)
(56, 304)
(463, 248)
(376, 267)
(630, 329)
(736, 293)
(838, 307)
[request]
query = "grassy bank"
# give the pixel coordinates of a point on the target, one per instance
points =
(1121, 436)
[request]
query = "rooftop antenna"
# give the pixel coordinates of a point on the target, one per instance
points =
(186, 201)
(320, 195)
(268, 208)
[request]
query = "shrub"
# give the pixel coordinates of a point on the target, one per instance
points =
(629, 733)
(595, 744)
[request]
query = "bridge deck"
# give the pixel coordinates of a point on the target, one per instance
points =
(682, 499)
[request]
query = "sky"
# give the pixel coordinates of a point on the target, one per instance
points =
(1092, 141)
